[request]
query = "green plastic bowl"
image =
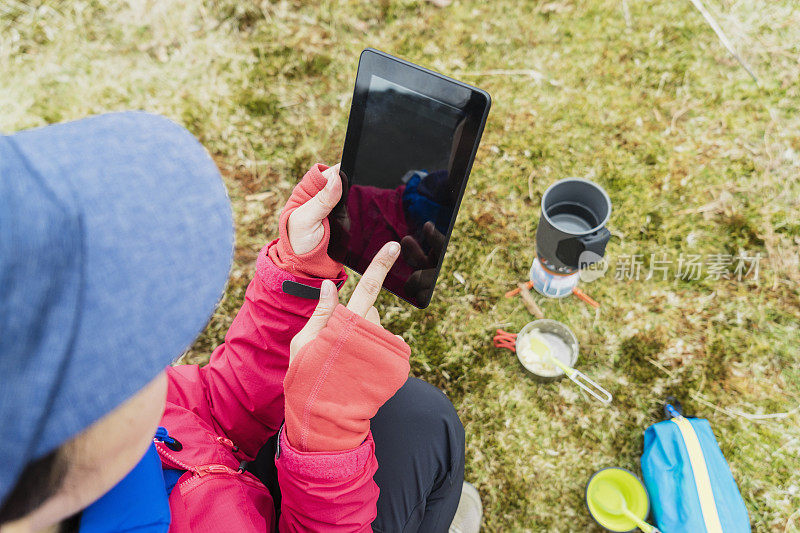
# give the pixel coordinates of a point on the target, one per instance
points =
(631, 488)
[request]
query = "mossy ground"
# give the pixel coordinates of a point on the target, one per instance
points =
(637, 95)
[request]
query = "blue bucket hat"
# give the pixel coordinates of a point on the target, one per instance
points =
(116, 240)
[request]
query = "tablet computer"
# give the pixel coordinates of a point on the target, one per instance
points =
(410, 143)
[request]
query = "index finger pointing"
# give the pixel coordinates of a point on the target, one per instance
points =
(366, 292)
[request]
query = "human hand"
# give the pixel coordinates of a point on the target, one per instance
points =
(302, 248)
(361, 302)
(305, 225)
(420, 284)
(343, 366)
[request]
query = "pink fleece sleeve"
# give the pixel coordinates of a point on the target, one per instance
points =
(339, 380)
(326, 457)
(240, 391)
(315, 263)
(323, 491)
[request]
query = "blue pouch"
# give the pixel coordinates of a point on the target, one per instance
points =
(690, 484)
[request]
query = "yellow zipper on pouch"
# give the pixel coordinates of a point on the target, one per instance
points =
(702, 481)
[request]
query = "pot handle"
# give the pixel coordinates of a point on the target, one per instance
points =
(595, 242)
(590, 386)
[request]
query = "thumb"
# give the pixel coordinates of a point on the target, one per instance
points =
(328, 299)
(321, 204)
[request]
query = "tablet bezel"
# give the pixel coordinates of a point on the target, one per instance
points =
(473, 102)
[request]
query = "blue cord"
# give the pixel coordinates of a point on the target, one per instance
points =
(671, 410)
(162, 435)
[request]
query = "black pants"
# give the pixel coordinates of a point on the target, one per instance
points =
(419, 444)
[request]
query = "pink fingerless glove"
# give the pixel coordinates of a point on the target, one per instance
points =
(316, 263)
(337, 382)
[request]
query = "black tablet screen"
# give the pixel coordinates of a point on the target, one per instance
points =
(400, 187)
(405, 131)
(411, 139)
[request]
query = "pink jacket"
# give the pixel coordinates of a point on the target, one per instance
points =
(224, 412)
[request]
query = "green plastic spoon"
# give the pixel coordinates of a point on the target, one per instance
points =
(608, 497)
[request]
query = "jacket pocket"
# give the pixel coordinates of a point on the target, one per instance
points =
(214, 500)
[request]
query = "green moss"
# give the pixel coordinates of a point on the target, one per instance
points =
(740, 232)
(243, 14)
(635, 353)
(715, 364)
(260, 105)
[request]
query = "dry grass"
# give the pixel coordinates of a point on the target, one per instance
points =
(638, 95)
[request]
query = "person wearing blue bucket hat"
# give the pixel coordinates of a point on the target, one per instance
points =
(116, 239)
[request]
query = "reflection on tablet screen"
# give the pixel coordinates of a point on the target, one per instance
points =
(401, 188)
